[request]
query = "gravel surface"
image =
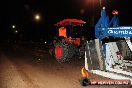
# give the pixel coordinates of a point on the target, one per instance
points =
(21, 69)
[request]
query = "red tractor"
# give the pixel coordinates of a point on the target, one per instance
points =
(70, 42)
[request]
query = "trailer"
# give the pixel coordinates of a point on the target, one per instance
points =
(102, 55)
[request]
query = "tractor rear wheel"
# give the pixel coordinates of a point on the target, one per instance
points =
(63, 51)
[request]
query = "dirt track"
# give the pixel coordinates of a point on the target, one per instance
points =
(22, 70)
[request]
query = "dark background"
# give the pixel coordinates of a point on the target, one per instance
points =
(21, 13)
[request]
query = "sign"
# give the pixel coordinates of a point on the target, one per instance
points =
(117, 31)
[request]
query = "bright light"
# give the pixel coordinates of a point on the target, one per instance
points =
(104, 8)
(13, 26)
(115, 12)
(16, 31)
(37, 17)
(45, 42)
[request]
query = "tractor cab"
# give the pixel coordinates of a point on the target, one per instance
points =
(69, 43)
(70, 30)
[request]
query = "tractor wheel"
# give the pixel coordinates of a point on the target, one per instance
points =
(63, 51)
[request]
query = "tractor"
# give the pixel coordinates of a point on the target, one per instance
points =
(70, 40)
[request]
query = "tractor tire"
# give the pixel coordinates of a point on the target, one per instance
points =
(63, 51)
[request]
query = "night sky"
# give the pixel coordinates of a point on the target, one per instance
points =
(21, 13)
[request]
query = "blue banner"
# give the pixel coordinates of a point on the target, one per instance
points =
(118, 31)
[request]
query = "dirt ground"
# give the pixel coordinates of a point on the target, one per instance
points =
(21, 69)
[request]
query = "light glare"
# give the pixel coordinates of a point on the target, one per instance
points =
(37, 17)
(13, 26)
